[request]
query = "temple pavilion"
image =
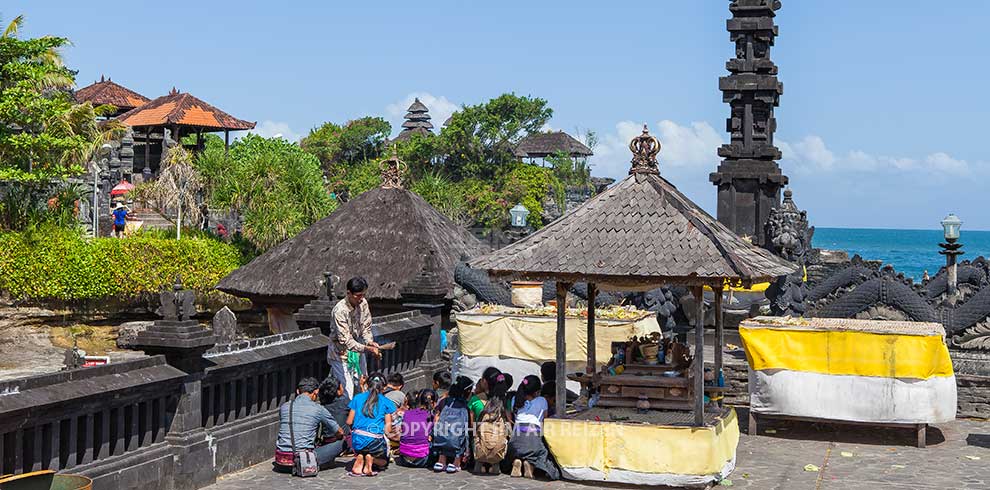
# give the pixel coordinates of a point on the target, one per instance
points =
(544, 144)
(182, 114)
(108, 92)
(388, 235)
(417, 121)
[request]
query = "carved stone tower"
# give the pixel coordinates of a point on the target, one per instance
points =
(749, 180)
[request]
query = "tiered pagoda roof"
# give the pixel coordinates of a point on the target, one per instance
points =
(542, 145)
(106, 91)
(417, 122)
(181, 109)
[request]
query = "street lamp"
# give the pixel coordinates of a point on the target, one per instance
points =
(950, 249)
(518, 215)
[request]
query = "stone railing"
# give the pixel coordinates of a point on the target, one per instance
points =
(85, 420)
(179, 420)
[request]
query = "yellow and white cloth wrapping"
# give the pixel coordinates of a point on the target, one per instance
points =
(852, 370)
(643, 454)
(519, 344)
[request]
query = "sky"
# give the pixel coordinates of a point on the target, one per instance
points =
(882, 122)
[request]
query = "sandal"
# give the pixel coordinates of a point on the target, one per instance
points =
(452, 469)
(351, 473)
(438, 468)
(373, 473)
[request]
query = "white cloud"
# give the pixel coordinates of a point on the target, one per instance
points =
(690, 147)
(440, 109)
(811, 154)
(273, 129)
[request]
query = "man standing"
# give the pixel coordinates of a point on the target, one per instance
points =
(353, 337)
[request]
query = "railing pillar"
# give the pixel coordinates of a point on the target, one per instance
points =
(183, 341)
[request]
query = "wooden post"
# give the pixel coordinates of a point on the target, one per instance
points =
(199, 140)
(699, 357)
(226, 141)
(592, 344)
(561, 375)
(719, 331)
(147, 151)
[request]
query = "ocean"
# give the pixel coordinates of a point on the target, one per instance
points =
(909, 251)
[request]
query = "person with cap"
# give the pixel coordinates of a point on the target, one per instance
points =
(311, 423)
(352, 337)
(119, 215)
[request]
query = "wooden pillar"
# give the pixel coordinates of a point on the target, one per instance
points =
(226, 141)
(199, 140)
(719, 334)
(147, 151)
(561, 375)
(592, 344)
(699, 357)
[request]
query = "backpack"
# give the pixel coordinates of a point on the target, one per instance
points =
(490, 440)
(451, 429)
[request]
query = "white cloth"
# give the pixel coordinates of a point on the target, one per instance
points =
(474, 366)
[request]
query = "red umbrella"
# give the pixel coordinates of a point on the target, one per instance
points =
(122, 188)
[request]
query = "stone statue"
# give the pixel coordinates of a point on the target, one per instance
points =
(179, 304)
(787, 232)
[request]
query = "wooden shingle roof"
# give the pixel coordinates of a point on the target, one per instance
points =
(182, 109)
(106, 91)
(540, 145)
(640, 233)
(384, 235)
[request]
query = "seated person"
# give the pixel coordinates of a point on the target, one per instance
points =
(334, 399)
(548, 372)
(308, 418)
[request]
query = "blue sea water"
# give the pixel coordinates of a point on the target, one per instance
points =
(909, 251)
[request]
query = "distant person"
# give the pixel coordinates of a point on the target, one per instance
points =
(311, 423)
(393, 390)
(477, 402)
(352, 336)
(441, 383)
(548, 371)
(492, 429)
(222, 232)
(334, 399)
(119, 215)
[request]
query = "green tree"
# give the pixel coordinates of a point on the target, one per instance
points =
(275, 186)
(43, 134)
(479, 139)
(340, 147)
(177, 187)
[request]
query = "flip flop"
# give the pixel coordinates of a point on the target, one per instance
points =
(452, 469)
(373, 473)
(438, 468)
(351, 473)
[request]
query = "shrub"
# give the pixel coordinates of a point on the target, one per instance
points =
(59, 264)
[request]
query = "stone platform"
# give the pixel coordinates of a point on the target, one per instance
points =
(880, 458)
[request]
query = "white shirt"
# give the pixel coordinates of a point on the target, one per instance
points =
(532, 412)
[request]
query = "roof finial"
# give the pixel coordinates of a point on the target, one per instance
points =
(101, 78)
(392, 170)
(645, 148)
(173, 91)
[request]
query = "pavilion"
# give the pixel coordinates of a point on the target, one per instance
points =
(639, 234)
(108, 92)
(417, 121)
(546, 144)
(183, 115)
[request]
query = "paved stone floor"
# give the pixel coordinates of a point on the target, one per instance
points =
(957, 457)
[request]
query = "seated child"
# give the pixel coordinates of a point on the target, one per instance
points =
(441, 383)
(451, 427)
(417, 424)
(526, 448)
(492, 428)
(370, 418)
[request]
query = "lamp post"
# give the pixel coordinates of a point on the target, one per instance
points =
(950, 249)
(518, 215)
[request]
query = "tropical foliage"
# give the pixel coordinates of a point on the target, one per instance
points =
(43, 133)
(176, 188)
(341, 148)
(273, 185)
(55, 263)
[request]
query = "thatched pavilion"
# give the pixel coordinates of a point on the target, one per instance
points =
(639, 234)
(387, 235)
(106, 91)
(545, 144)
(183, 115)
(417, 121)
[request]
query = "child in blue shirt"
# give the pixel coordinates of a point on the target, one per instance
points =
(370, 418)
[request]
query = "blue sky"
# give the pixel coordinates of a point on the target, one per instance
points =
(882, 121)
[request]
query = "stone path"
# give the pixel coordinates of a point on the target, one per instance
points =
(875, 459)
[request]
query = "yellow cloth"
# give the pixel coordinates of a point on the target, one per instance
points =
(605, 446)
(535, 338)
(849, 353)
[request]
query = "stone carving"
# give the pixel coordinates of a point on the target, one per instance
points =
(225, 326)
(748, 179)
(178, 304)
(787, 232)
(645, 149)
(392, 169)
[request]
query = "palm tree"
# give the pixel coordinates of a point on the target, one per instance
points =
(56, 77)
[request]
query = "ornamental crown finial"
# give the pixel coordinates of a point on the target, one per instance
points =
(392, 169)
(645, 148)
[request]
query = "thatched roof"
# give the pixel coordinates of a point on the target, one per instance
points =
(640, 233)
(106, 91)
(417, 121)
(384, 235)
(541, 145)
(181, 109)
